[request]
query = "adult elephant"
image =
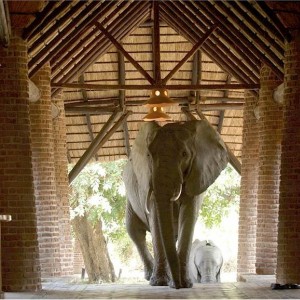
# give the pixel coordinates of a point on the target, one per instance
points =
(206, 261)
(169, 168)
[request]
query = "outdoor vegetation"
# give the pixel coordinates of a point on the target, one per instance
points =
(98, 202)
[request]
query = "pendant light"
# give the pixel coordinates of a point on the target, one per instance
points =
(159, 98)
(156, 113)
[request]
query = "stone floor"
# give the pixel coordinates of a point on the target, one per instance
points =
(254, 287)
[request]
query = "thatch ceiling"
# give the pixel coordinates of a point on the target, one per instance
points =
(105, 53)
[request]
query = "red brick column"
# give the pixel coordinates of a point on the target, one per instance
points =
(288, 257)
(270, 126)
(44, 176)
(20, 255)
(62, 188)
(249, 181)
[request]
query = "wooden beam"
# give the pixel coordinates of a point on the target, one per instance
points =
(189, 54)
(126, 138)
(121, 75)
(196, 74)
(232, 159)
(90, 110)
(43, 18)
(246, 56)
(82, 37)
(222, 113)
(94, 146)
(270, 13)
(215, 51)
(52, 29)
(88, 118)
(156, 43)
(125, 53)
(234, 33)
(233, 86)
(219, 106)
(80, 62)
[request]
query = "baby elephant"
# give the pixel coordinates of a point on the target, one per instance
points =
(205, 262)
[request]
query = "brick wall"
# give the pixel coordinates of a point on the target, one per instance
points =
(62, 188)
(44, 176)
(288, 261)
(270, 126)
(20, 256)
(248, 196)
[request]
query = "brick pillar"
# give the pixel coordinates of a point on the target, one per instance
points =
(44, 176)
(288, 257)
(20, 255)
(249, 181)
(62, 188)
(270, 131)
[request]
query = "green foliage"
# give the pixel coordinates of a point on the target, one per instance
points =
(220, 198)
(99, 192)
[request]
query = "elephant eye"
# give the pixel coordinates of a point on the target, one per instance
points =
(184, 154)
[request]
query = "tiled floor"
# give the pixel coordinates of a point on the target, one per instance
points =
(255, 287)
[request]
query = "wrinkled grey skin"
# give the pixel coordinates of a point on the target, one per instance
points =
(206, 261)
(169, 168)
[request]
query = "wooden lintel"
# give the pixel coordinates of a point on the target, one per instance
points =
(233, 86)
(94, 146)
(189, 54)
(90, 110)
(219, 106)
(125, 53)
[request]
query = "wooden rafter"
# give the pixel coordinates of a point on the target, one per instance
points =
(87, 116)
(234, 86)
(189, 54)
(272, 16)
(246, 57)
(156, 44)
(84, 35)
(89, 56)
(270, 57)
(196, 75)
(54, 45)
(236, 34)
(94, 146)
(182, 25)
(125, 53)
(222, 112)
(44, 17)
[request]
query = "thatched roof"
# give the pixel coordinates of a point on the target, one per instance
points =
(106, 53)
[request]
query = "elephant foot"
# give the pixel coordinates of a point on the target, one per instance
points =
(175, 284)
(159, 281)
(186, 283)
(147, 274)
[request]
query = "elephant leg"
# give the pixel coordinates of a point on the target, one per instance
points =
(137, 232)
(160, 275)
(188, 214)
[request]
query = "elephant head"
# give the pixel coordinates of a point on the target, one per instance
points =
(186, 158)
(206, 261)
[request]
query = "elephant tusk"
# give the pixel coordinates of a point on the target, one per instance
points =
(148, 201)
(174, 198)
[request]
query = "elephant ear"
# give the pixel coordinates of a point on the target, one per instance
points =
(139, 155)
(210, 158)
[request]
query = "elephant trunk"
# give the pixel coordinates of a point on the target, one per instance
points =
(165, 220)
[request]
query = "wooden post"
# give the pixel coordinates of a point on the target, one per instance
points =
(3, 218)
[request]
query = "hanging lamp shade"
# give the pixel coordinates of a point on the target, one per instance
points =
(159, 98)
(156, 113)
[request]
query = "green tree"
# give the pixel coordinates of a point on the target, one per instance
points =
(220, 197)
(98, 203)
